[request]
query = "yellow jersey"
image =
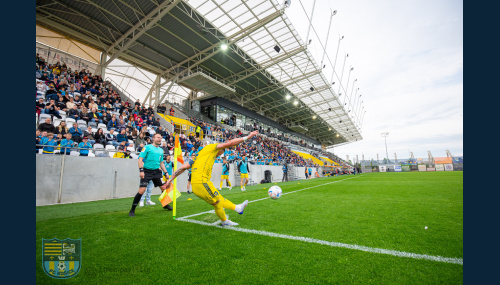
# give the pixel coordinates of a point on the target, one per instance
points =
(201, 171)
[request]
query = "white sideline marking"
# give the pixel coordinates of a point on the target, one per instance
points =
(323, 242)
(337, 244)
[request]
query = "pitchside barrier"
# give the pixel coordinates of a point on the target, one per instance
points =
(64, 179)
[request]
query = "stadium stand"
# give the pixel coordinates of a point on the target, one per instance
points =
(102, 105)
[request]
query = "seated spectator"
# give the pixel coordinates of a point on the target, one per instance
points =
(160, 131)
(61, 105)
(40, 105)
(49, 144)
(62, 128)
(92, 105)
(140, 147)
(106, 117)
(77, 101)
(85, 145)
(100, 137)
(70, 104)
(47, 126)
(111, 138)
(39, 137)
(76, 133)
(121, 125)
(122, 137)
(156, 124)
(112, 124)
(120, 153)
(90, 135)
(145, 131)
(51, 109)
(51, 93)
(66, 142)
(135, 134)
(74, 113)
(94, 116)
(85, 115)
(165, 149)
(117, 105)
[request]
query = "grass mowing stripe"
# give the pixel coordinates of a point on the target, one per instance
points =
(337, 244)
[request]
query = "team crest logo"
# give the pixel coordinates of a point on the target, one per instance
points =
(62, 259)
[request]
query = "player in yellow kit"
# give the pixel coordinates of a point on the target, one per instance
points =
(201, 172)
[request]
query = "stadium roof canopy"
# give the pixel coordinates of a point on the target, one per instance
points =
(181, 42)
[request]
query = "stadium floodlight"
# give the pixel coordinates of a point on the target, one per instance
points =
(295, 102)
(314, 117)
(329, 129)
(223, 46)
(385, 135)
(288, 96)
(337, 135)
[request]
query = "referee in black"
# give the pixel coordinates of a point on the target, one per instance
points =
(285, 172)
(150, 168)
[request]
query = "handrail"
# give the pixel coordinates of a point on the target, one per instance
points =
(78, 148)
(125, 92)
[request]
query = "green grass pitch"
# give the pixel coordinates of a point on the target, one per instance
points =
(377, 210)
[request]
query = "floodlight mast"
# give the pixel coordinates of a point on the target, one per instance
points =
(385, 135)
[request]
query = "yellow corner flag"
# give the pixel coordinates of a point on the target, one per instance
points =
(177, 158)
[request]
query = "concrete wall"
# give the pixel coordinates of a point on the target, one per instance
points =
(101, 178)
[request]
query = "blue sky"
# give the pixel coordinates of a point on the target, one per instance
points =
(408, 59)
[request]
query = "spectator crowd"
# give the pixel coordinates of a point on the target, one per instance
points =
(100, 116)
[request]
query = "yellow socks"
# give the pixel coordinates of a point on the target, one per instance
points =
(219, 211)
(223, 204)
(226, 204)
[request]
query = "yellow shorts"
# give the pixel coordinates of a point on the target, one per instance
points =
(206, 192)
(244, 175)
(224, 177)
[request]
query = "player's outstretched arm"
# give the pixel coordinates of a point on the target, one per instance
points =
(177, 173)
(237, 141)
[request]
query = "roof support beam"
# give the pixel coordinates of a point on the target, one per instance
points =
(168, 89)
(214, 49)
(264, 91)
(135, 32)
(255, 69)
(97, 42)
(308, 93)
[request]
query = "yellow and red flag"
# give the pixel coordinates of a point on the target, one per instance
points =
(168, 195)
(177, 152)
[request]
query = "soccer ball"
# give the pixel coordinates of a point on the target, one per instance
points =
(274, 192)
(61, 266)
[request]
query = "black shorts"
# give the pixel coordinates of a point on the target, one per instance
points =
(149, 175)
(189, 176)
